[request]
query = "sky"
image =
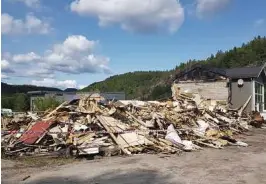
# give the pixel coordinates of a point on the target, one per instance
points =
(73, 43)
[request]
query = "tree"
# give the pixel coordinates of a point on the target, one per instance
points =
(7, 102)
(43, 104)
(143, 84)
(21, 102)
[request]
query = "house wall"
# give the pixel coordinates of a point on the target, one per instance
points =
(32, 99)
(208, 90)
(70, 96)
(116, 96)
(239, 95)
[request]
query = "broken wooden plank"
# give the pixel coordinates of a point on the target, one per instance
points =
(111, 134)
(244, 106)
(55, 110)
(136, 119)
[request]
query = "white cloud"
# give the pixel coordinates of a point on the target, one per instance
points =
(133, 15)
(22, 58)
(3, 76)
(4, 64)
(73, 56)
(82, 86)
(54, 83)
(5, 67)
(31, 25)
(209, 7)
(40, 73)
(74, 44)
(29, 3)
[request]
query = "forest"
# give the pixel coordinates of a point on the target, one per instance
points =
(149, 85)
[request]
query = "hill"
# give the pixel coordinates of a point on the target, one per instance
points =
(15, 96)
(70, 90)
(152, 85)
(139, 84)
(7, 89)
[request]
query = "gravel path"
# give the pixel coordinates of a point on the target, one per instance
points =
(230, 165)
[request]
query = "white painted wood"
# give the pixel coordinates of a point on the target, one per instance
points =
(253, 95)
(263, 98)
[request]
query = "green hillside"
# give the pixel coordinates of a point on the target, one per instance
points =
(156, 84)
(15, 96)
(135, 84)
(7, 89)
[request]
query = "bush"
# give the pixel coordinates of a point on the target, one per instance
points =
(17, 102)
(43, 104)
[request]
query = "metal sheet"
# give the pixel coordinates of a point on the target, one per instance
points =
(36, 131)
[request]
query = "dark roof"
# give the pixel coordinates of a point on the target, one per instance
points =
(75, 92)
(218, 71)
(245, 72)
(45, 92)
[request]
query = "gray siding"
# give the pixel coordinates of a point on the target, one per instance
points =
(208, 90)
(241, 94)
(116, 96)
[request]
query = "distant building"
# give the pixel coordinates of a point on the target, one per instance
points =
(68, 96)
(234, 85)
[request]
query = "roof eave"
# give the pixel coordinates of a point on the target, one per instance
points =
(262, 69)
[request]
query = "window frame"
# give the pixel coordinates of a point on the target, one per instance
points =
(259, 94)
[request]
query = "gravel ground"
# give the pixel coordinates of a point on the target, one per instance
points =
(230, 165)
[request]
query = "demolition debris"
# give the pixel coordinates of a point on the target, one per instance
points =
(88, 127)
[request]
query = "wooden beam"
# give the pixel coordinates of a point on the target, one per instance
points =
(111, 134)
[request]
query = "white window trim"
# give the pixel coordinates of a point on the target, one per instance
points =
(263, 98)
(254, 96)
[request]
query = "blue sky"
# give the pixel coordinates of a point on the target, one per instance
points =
(73, 43)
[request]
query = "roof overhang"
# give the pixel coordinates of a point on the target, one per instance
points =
(263, 68)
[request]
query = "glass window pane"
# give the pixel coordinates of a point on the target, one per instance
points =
(258, 88)
(264, 96)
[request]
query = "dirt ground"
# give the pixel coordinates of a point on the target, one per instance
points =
(230, 165)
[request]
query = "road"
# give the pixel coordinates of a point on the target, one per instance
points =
(238, 165)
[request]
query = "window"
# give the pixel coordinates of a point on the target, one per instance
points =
(264, 96)
(259, 96)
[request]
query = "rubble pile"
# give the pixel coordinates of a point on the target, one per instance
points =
(87, 127)
(16, 122)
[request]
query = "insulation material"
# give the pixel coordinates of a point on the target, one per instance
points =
(172, 135)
